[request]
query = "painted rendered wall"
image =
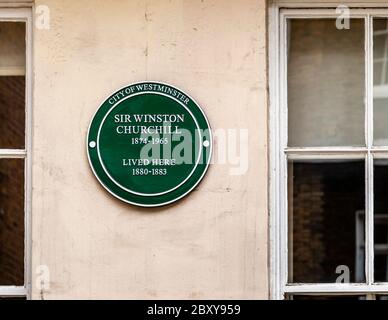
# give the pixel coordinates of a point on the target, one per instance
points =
(213, 244)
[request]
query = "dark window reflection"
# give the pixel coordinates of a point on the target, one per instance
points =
(12, 112)
(12, 84)
(381, 220)
(326, 206)
(12, 222)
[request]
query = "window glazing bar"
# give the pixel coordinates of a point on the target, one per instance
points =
(12, 291)
(12, 153)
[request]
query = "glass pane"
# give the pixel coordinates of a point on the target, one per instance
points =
(378, 72)
(380, 81)
(381, 121)
(12, 46)
(326, 221)
(385, 298)
(12, 85)
(378, 40)
(326, 81)
(381, 220)
(12, 222)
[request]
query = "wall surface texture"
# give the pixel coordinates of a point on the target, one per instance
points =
(213, 244)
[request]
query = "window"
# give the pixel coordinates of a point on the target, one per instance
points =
(329, 153)
(15, 156)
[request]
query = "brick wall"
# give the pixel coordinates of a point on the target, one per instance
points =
(308, 214)
(326, 198)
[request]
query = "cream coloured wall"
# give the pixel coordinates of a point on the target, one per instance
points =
(211, 245)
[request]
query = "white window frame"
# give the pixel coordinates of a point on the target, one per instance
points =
(22, 14)
(279, 11)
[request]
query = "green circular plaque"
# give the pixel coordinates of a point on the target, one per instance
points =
(149, 144)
